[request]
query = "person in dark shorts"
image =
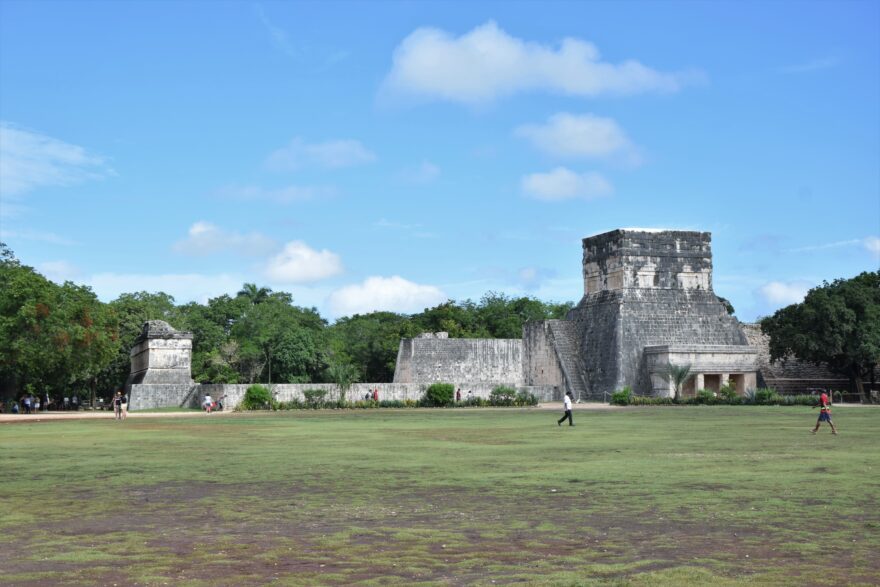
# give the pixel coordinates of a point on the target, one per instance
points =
(117, 405)
(824, 406)
(567, 416)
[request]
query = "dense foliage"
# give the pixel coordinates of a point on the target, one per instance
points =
(56, 338)
(439, 395)
(837, 324)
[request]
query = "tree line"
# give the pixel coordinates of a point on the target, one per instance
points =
(61, 339)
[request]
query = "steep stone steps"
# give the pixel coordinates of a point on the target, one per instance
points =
(564, 335)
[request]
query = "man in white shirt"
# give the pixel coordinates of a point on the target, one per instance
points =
(567, 403)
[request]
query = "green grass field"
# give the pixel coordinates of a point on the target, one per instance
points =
(650, 496)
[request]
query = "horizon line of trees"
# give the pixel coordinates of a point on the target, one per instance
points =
(61, 339)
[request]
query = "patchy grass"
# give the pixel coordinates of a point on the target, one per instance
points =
(690, 496)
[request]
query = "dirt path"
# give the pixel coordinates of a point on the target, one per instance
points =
(101, 415)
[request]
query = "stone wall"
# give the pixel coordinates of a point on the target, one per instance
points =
(429, 359)
(540, 361)
(234, 393)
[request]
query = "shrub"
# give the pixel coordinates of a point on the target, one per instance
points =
(800, 400)
(502, 396)
(728, 395)
(705, 397)
(525, 398)
(257, 397)
(315, 397)
(767, 397)
(640, 400)
(622, 397)
(439, 395)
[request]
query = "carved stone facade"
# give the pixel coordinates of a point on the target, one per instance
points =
(160, 367)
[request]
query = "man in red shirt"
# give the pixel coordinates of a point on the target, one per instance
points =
(824, 406)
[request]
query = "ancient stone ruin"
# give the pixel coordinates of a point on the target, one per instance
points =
(648, 302)
(160, 367)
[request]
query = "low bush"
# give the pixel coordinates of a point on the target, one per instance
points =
(525, 398)
(439, 395)
(704, 397)
(314, 397)
(622, 397)
(502, 396)
(767, 397)
(641, 400)
(257, 397)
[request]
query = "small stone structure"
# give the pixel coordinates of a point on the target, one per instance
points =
(160, 367)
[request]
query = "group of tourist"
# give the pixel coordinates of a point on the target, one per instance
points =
(32, 404)
(209, 405)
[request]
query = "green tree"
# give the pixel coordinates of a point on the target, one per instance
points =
(51, 337)
(370, 342)
(343, 375)
(837, 325)
(131, 311)
(678, 376)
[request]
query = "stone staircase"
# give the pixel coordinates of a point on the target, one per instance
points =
(564, 336)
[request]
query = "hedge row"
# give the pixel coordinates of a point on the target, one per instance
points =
(725, 396)
(258, 397)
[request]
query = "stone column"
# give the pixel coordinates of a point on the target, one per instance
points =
(699, 382)
(725, 379)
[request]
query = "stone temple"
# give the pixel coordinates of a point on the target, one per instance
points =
(647, 302)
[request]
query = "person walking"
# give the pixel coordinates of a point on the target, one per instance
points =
(824, 406)
(376, 395)
(566, 401)
(117, 405)
(207, 403)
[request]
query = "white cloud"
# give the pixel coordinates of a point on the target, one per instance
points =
(329, 154)
(58, 271)
(872, 244)
(184, 287)
(780, 293)
(424, 173)
(279, 37)
(486, 63)
(205, 239)
(299, 263)
(282, 195)
(531, 278)
(814, 65)
(564, 184)
(30, 160)
(584, 136)
(35, 235)
(393, 294)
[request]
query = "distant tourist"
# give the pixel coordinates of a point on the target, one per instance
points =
(117, 405)
(470, 396)
(37, 404)
(567, 405)
(66, 404)
(26, 403)
(220, 402)
(824, 406)
(207, 403)
(74, 401)
(458, 395)
(376, 394)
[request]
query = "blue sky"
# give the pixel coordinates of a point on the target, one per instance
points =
(371, 155)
